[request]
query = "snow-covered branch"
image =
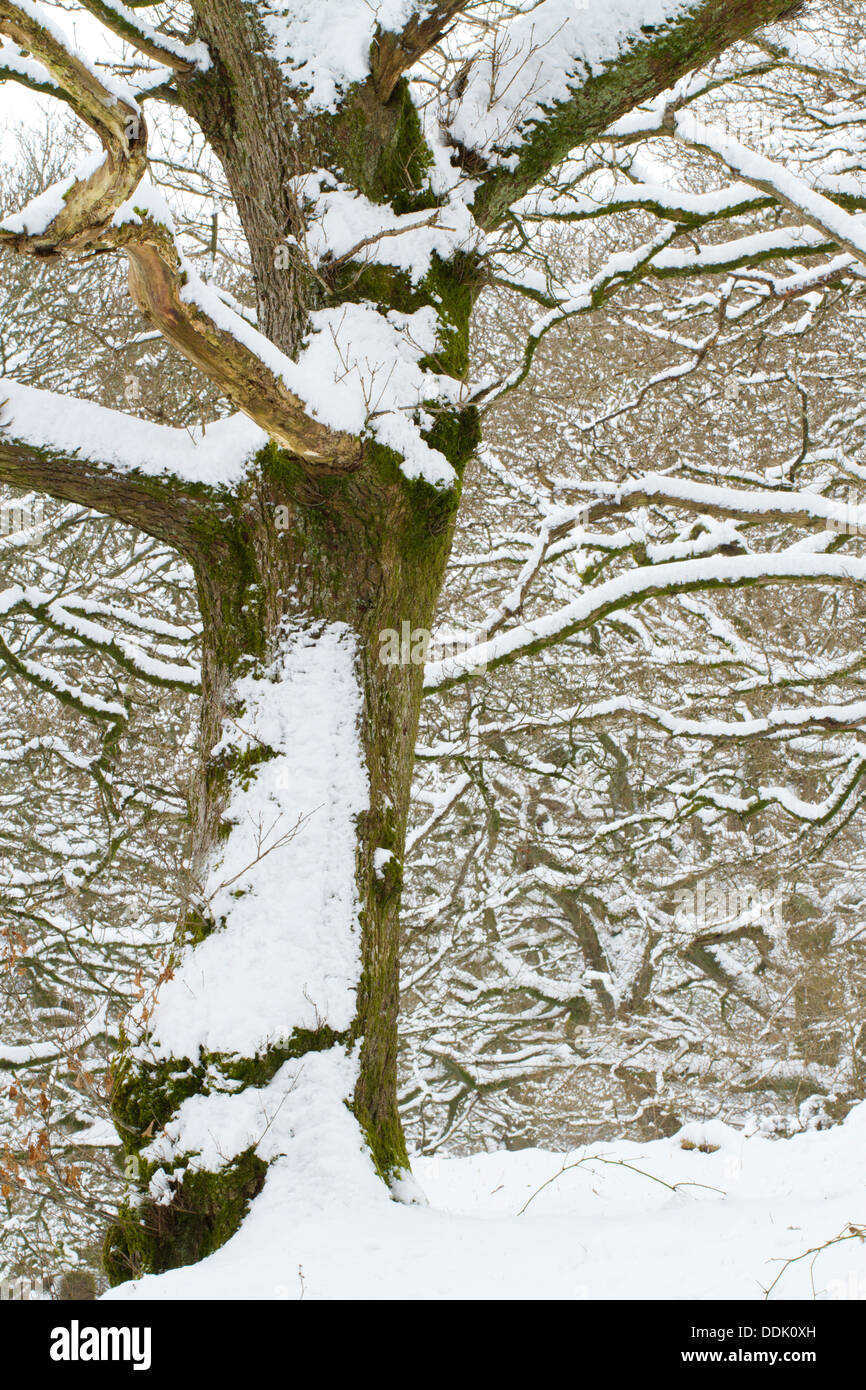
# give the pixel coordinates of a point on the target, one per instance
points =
(635, 587)
(555, 78)
(161, 48)
(839, 227)
(114, 463)
(107, 204)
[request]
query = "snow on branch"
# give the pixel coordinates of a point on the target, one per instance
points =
(324, 47)
(129, 655)
(660, 258)
(87, 454)
(637, 586)
(50, 683)
(257, 377)
(619, 270)
(845, 231)
(53, 423)
(812, 812)
(671, 204)
(839, 718)
(63, 1045)
(171, 53)
(107, 204)
(15, 63)
(74, 213)
(788, 507)
(557, 76)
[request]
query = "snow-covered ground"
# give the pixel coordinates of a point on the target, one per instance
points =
(651, 1221)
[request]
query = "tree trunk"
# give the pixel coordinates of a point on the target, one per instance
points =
(315, 562)
(291, 633)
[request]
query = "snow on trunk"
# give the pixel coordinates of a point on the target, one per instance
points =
(245, 1069)
(282, 889)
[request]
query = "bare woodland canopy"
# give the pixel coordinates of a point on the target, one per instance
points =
(537, 325)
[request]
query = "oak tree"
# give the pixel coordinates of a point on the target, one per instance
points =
(383, 162)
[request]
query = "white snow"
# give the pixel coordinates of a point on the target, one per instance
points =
(343, 221)
(324, 45)
(284, 881)
(14, 59)
(543, 55)
(360, 370)
(299, 1122)
(65, 425)
(624, 1221)
(381, 859)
